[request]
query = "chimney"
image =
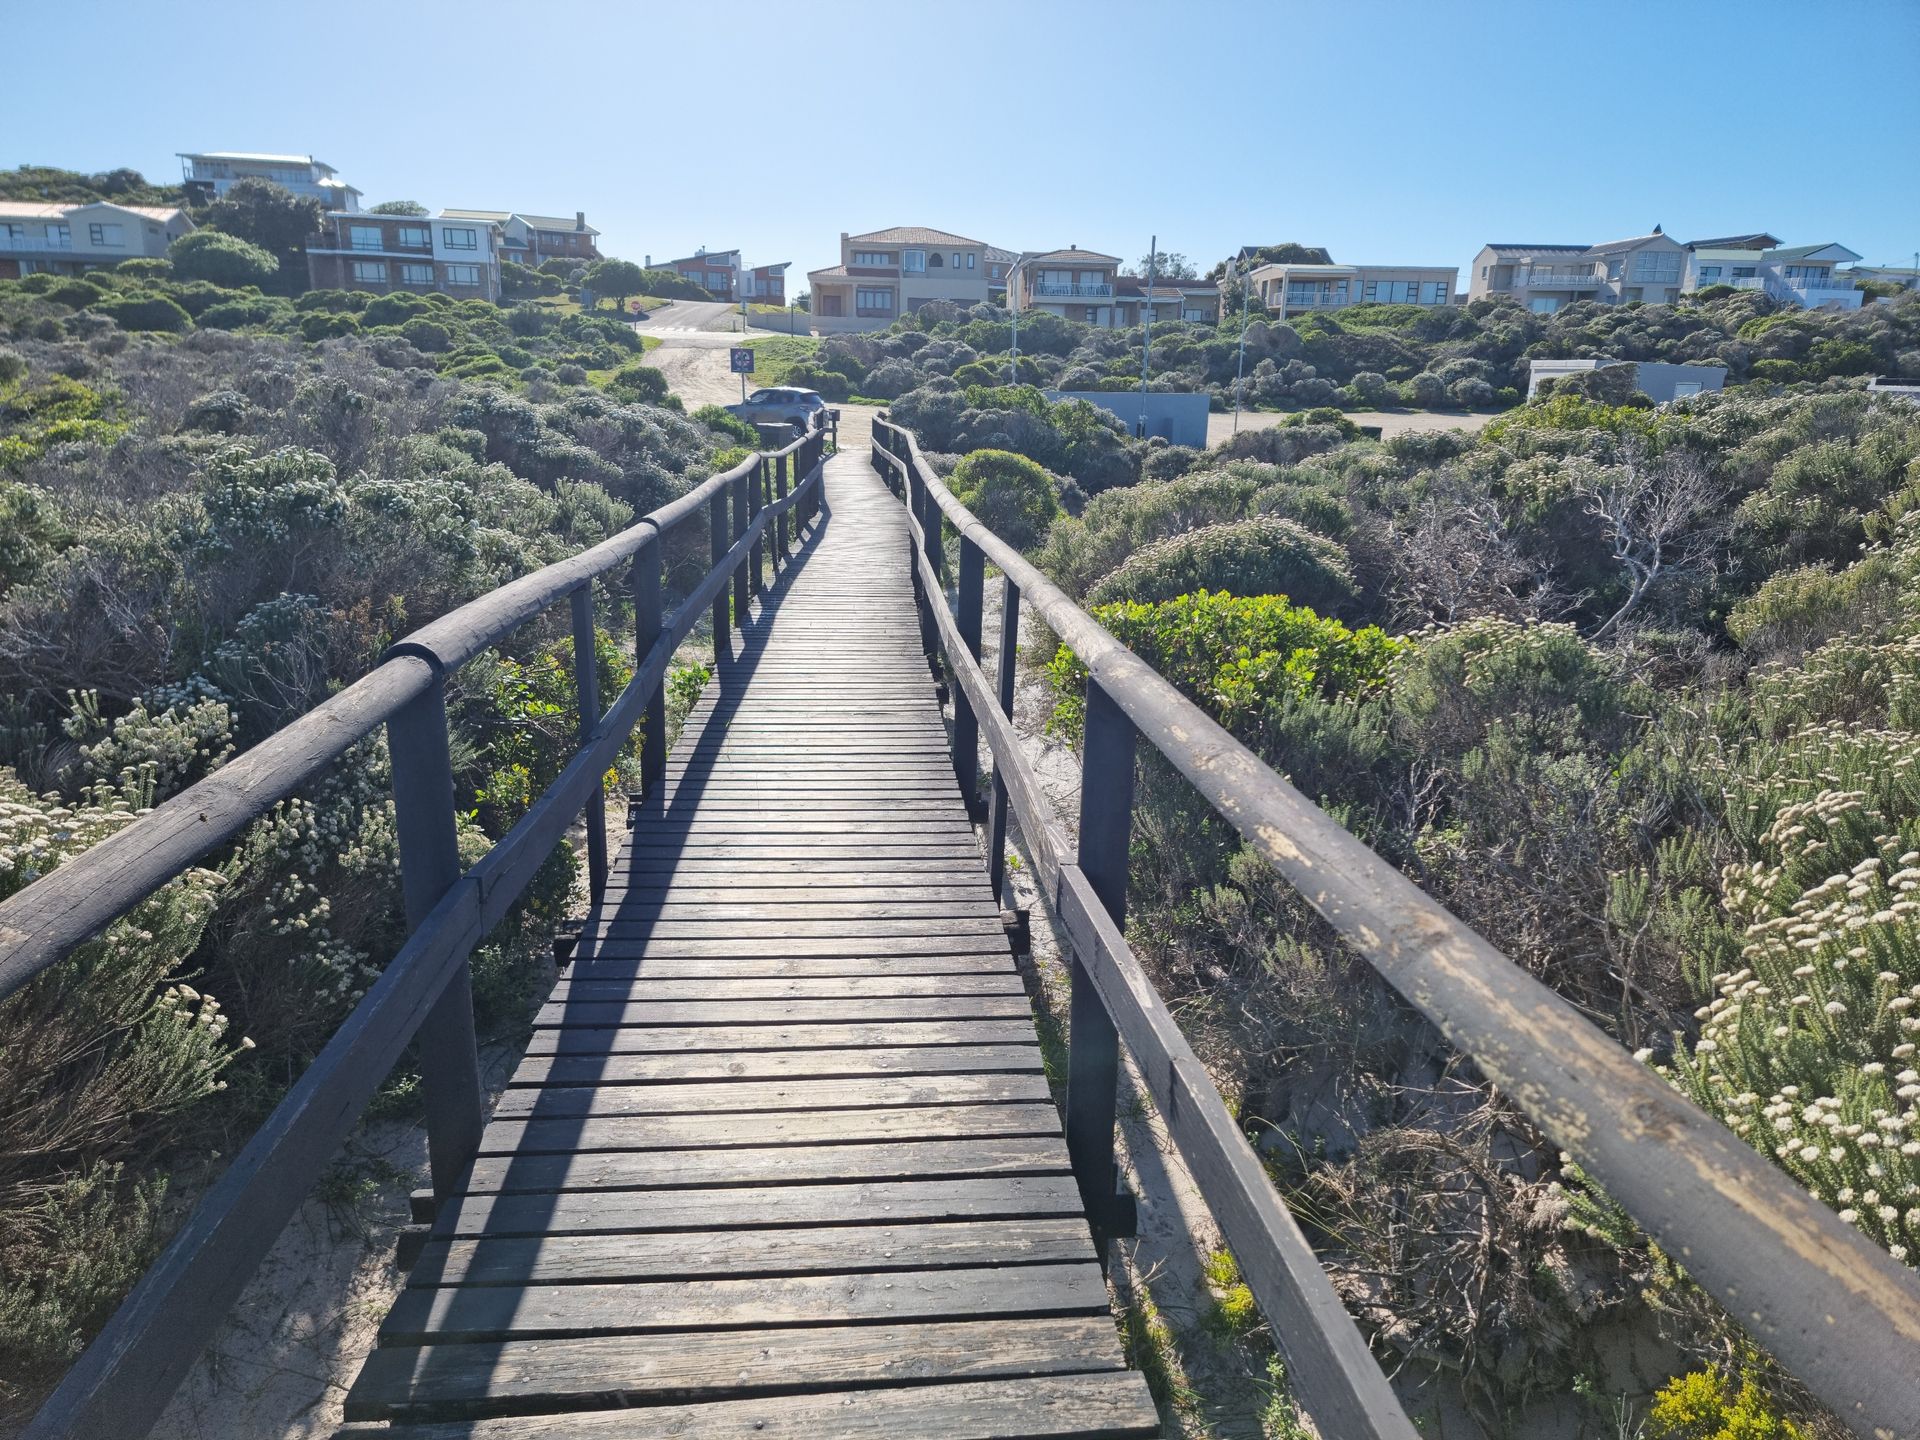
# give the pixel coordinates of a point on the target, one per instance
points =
(580, 220)
(646, 262)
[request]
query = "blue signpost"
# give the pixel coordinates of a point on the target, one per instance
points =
(741, 357)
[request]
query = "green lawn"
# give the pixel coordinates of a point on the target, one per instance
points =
(775, 355)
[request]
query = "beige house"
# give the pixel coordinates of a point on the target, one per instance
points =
(1087, 286)
(1651, 268)
(882, 274)
(1291, 289)
(37, 238)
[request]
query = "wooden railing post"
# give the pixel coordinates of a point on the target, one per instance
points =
(756, 502)
(586, 689)
(781, 556)
(966, 727)
(647, 622)
(915, 549)
(997, 814)
(1093, 1047)
(722, 607)
(742, 585)
(429, 866)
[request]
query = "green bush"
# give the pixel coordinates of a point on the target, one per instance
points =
(145, 267)
(724, 422)
(427, 335)
(145, 312)
(1008, 493)
(1707, 1405)
(328, 325)
(221, 259)
(1265, 555)
(640, 382)
(76, 292)
(1779, 372)
(236, 314)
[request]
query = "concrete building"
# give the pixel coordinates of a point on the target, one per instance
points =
(212, 173)
(1180, 418)
(531, 240)
(1905, 276)
(725, 276)
(1801, 275)
(884, 273)
(1087, 286)
(37, 238)
(1195, 301)
(1288, 289)
(1649, 268)
(1658, 382)
(449, 252)
(998, 263)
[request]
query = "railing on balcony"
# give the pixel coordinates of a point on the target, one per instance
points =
(1557, 280)
(1317, 300)
(36, 244)
(1801, 289)
(1060, 290)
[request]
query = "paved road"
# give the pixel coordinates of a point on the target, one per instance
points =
(692, 353)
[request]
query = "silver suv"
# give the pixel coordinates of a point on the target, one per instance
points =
(804, 410)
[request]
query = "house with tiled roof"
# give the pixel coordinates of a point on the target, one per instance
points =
(54, 239)
(1544, 277)
(882, 274)
(725, 276)
(531, 240)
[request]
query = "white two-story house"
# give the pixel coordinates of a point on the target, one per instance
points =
(1797, 274)
(384, 253)
(214, 172)
(37, 238)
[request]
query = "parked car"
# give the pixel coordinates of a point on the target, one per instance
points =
(804, 410)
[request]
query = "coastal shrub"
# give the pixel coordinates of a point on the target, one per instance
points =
(1010, 495)
(1265, 555)
(219, 259)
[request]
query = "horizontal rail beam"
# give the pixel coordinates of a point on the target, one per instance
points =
(1831, 1306)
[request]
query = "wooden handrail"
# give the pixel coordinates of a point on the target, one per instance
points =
(119, 1386)
(1836, 1310)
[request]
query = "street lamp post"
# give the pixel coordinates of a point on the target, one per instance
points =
(1240, 367)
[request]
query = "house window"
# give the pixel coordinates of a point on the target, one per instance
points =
(873, 299)
(1656, 266)
(1193, 314)
(417, 236)
(970, 260)
(370, 272)
(994, 272)
(1435, 292)
(872, 257)
(1743, 272)
(914, 261)
(364, 237)
(460, 239)
(956, 259)
(420, 274)
(61, 235)
(106, 234)
(1709, 274)
(463, 274)
(936, 261)
(1543, 304)
(13, 232)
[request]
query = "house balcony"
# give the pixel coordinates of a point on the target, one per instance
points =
(1315, 300)
(36, 245)
(1056, 290)
(1549, 280)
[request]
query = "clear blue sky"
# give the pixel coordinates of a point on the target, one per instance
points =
(1387, 130)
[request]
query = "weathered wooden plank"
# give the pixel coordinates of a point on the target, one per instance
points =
(749, 1038)
(768, 1165)
(638, 1373)
(683, 1255)
(596, 1015)
(534, 1312)
(582, 1134)
(582, 987)
(732, 1065)
(673, 909)
(610, 960)
(699, 1098)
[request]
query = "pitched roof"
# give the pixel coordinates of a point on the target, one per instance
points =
(1071, 253)
(39, 210)
(1521, 247)
(832, 272)
(997, 256)
(1615, 247)
(1801, 252)
(910, 235)
(554, 222)
(706, 257)
(1759, 240)
(499, 217)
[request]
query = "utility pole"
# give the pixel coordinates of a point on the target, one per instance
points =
(1013, 315)
(1240, 368)
(1146, 339)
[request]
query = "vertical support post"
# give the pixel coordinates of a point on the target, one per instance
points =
(756, 502)
(586, 688)
(997, 814)
(429, 866)
(647, 624)
(781, 555)
(915, 548)
(1093, 1046)
(722, 605)
(966, 726)
(742, 591)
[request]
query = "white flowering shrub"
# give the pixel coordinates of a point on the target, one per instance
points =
(1807, 1050)
(152, 753)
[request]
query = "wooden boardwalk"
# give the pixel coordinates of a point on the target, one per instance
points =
(781, 1158)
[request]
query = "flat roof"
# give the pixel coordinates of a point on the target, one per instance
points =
(258, 157)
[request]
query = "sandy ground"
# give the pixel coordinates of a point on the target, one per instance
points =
(1391, 422)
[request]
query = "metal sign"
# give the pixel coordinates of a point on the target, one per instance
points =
(742, 359)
